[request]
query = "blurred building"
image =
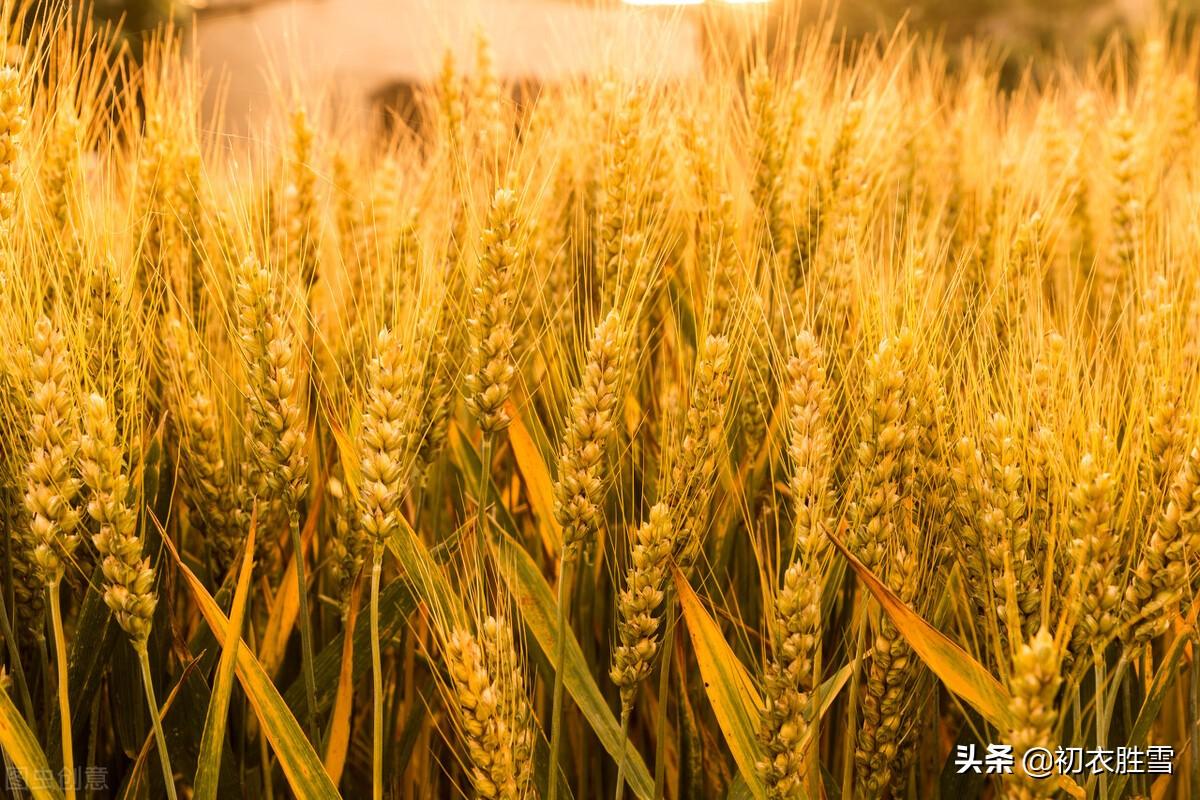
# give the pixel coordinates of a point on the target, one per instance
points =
(360, 51)
(364, 52)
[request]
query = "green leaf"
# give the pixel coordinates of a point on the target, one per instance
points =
(832, 687)
(731, 689)
(538, 608)
(421, 571)
(137, 782)
(126, 696)
(208, 767)
(301, 765)
(955, 783)
(22, 748)
(467, 461)
(285, 607)
(89, 655)
(828, 692)
(427, 577)
(396, 603)
(1164, 678)
(738, 790)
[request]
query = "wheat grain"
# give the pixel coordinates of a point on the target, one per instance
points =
(638, 604)
(52, 482)
(792, 673)
(578, 489)
(129, 578)
(1034, 685)
(488, 384)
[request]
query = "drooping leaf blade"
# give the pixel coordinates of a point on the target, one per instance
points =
(538, 483)
(338, 741)
(208, 766)
(23, 750)
(954, 666)
(731, 689)
(537, 605)
(301, 765)
(136, 782)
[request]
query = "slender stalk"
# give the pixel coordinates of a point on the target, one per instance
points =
(410, 652)
(626, 710)
(160, 739)
(47, 690)
(560, 658)
(240, 697)
(64, 694)
(1193, 711)
(264, 755)
(851, 726)
(306, 648)
(376, 679)
(1076, 717)
(93, 737)
(1102, 711)
(9, 766)
(1118, 676)
(660, 722)
(814, 728)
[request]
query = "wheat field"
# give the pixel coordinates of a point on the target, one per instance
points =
(793, 431)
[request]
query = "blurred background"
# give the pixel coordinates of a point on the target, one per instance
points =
(371, 53)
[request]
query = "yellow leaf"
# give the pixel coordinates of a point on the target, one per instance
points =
(634, 415)
(538, 484)
(22, 749)
(731, 689)
(339, 731)
(347, 456)
(954, 666)
(961, 674)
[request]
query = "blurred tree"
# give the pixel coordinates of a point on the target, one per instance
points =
(1023, 31)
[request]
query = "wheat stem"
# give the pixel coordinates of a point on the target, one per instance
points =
(852, 705)
(376, 679)
(1102, 712)
(64, 694)
(47, 684)
(626, 709)
(660, 722)
(306, 647)
(160, 739)
(560, 658)
(1194, 713)
(484, 498)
